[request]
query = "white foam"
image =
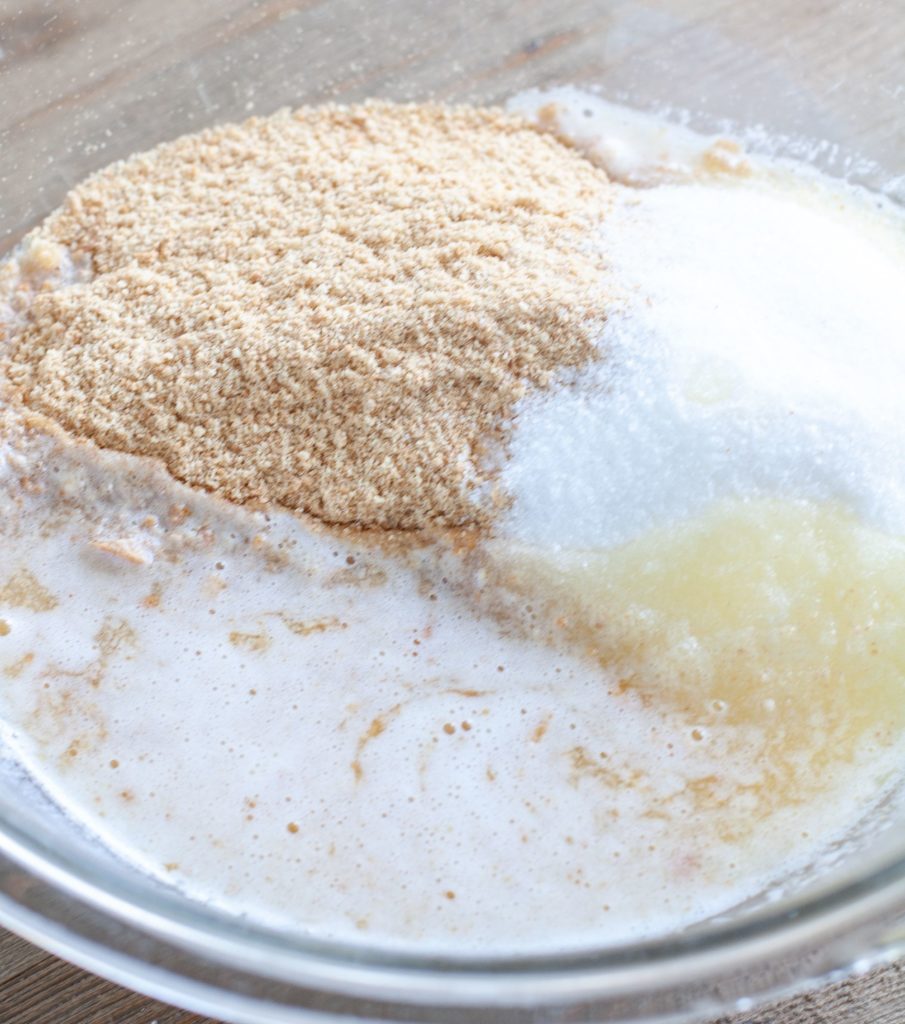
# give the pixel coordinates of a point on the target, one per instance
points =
(635, 147)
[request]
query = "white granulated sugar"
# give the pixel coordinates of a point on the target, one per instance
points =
(758, 348)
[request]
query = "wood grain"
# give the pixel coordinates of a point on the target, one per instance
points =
(876, 998)
(83, 82)
(36, 988)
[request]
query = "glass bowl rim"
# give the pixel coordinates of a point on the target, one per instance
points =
(706, 951)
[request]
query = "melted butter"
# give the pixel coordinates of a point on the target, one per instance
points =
(779, 623)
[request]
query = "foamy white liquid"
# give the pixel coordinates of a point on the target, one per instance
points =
(355, 749)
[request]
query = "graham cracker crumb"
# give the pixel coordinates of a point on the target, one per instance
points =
(256, 642)
(334, 310)
(124, 549)
(24, 590)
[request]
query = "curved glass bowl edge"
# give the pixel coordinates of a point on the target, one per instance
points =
(856, 911)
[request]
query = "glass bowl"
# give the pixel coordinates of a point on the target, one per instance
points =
(82, 84)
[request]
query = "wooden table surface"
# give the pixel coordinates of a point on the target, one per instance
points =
(86, 81)
(36, 988)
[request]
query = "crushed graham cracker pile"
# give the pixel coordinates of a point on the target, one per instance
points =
(333, 309)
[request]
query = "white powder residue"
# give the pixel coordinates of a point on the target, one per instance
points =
(758, 350)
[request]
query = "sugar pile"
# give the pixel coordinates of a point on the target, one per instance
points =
(757, 349)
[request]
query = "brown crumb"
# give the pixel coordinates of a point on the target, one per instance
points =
(17, 667)
(153, 598)
(24, 590)
(540, 730)
(256, 642)
(178, 514)
(306, 627)
(124, 549)
(334, 309)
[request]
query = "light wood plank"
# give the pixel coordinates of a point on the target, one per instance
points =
(36, 988)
